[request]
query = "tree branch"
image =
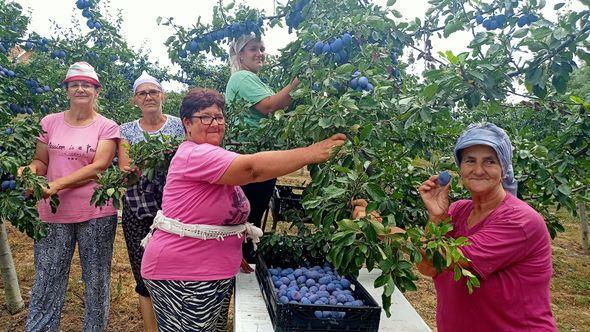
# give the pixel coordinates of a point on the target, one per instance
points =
(560, 48)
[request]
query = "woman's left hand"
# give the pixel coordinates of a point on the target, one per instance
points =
(52, 189)
(426, 267)
(245, 267)
(360, 211)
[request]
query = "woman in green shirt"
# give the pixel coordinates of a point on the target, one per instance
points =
(246, 59)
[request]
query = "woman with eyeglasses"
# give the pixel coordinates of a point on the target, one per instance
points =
(194, 252)
(247, 56)
(144, 198)
(74, 147)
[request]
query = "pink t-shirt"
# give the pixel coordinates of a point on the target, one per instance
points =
(510, 252)
(71, 148)
(192, 197)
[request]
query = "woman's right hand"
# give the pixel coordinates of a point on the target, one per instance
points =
(435, 197)
(21, 169)
(360, 210)
(129, 169)
(320, 151)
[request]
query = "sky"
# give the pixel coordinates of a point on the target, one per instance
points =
(141, 30)
(139, 17)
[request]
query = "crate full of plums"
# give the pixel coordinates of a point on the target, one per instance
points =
(315, 298)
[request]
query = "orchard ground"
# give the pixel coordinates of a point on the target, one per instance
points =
(570, 287)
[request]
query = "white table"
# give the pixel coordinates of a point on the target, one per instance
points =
(251, 315)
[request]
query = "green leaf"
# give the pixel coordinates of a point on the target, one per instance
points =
(349, 224)
(448, 257)
(381, 280)
(583, 55)
(325, 123)
(386, 300)
(494, 48)
(565, 189)
(559, 33)
(460, 241)
(540, 91)
(333, 192)
(339, 236)
(377, 227)
(348, 240)
(560, 84)
(405, 101)
(451, 57)
(229, 6)
(430, 91)
(346, 68)
(425, 115)
(383, 256)
(533, 75)
(451, 27)
(410, 121)
(520, 33)
(472, 99)
(375, 192)
(577, 100)
(480, 37)
(350, 104)
(467, 273)
(389, 286)
(457, 273)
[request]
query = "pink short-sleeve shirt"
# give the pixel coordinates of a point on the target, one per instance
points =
(510, 252)
(192, 197)
(71, 148)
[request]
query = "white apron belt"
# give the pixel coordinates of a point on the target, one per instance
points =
(203, 232)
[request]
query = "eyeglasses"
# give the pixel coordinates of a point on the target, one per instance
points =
(83, 86)
(151, 93)
(208, 119)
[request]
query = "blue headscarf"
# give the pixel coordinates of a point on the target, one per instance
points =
(495, 137)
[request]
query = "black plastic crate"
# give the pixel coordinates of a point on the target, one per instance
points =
(285, 198)
(292, 317)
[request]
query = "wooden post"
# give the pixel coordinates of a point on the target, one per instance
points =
(584, 226)
(14, 301)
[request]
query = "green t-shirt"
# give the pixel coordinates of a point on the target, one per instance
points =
(246, 86)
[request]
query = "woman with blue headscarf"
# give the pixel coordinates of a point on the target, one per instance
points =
(509, 251)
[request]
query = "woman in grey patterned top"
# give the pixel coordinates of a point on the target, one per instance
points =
(144, 198)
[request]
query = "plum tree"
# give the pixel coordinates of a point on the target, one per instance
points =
(30, 88)
(352, 59)
(405, 124)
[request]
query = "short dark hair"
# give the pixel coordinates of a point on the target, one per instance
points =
(198, 99)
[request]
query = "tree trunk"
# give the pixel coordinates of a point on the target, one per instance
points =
(584, 226)
(14, 300)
